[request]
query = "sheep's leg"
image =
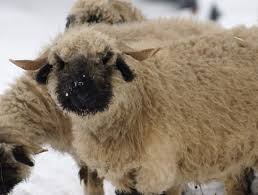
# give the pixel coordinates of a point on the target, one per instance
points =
(234, 187)
(93, 185)
(133, 192)
(174, 191)
(129, 182)
(239, 185)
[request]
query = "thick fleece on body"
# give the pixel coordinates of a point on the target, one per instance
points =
(189, 114)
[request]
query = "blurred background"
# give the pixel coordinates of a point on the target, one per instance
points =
(27, 25)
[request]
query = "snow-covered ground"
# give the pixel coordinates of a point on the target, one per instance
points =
(27, 25)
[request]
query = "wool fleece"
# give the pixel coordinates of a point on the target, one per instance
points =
(183, 112)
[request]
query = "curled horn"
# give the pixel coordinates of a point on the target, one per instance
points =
(31, 64)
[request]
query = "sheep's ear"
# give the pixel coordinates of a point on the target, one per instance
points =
(125, 70)
(142, 54)
(29, 64)
(32, 64)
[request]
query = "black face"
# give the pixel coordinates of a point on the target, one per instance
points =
(84, 85)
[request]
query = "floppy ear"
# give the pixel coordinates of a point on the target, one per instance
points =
(125, 70)
(32, 64)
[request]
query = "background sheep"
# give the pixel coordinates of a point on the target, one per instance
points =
(127, 127)
(103, 11)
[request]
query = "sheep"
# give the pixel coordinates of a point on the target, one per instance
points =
(56, 135)
(103, 11)
(154, 119)
(187, 112)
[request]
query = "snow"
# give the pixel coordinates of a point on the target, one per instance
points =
(28, 25)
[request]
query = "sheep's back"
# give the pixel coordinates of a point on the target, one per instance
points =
(157, 33)
(207, 96)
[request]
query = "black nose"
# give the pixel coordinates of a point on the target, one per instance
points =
(79, 99)
(83, 95)
(77, 94)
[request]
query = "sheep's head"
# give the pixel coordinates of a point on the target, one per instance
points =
(83, 68)
(81, 84)
(80, 69)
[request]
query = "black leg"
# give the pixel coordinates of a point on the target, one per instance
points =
(133, 192)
